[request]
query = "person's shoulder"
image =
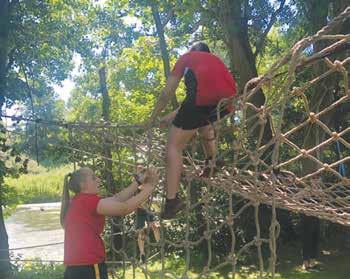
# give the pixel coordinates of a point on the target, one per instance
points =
(185, 56)
(87, 197)
(215, 57)
(199, 53)
(199, 57)
(206, 56)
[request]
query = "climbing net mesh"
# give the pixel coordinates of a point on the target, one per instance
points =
(299, 167)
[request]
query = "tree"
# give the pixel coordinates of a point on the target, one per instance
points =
(34, 50)
(325, 92)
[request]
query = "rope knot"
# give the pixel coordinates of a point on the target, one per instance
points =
(303, 152)
(298, 91)
(326, 167)
(338, 66)
(312, 117)
(335, 135)
(229, 220)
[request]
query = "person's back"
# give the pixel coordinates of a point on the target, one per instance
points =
(83, 227)
(207, 76)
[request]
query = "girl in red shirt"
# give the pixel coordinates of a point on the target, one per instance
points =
(83, 219)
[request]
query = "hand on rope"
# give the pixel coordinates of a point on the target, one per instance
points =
(164, 122)
(167, 119)
(149, 178)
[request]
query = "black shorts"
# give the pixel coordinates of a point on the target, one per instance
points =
(190, 116)
(96, 271)
(142, 217)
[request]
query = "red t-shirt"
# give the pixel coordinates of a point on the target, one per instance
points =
(214, 81)
(83, 244)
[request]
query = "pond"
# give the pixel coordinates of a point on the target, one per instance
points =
(33, 225)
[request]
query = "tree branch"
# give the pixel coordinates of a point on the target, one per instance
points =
(12, 4)
(168, 18)
(11, 59)
(273, 19)
(195, 27)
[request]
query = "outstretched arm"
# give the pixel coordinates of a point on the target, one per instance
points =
(134, 186)
(113, 206)
(126, 193)
(164, 122)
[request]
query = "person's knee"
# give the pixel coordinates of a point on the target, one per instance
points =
(142, 235)
(206, 130)
(173, 150)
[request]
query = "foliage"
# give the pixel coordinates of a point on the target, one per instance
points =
(42, 40)
(121, 36)
(45, 186)
(37, 270)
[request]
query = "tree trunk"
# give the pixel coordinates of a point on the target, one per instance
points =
(314, 135)
(108, 171)
(4, 47)
(5, 266)
(105, 115)
(105, 97)
(242, 60)
(163, 49)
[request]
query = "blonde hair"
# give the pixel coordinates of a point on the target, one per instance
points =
(72, 182)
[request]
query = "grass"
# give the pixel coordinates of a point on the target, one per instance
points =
(45, 186)
(333, 265)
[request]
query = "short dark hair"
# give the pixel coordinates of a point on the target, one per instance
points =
(200, 47)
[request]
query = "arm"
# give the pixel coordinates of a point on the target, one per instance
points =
(169, 90)
(133, 187)
(112, 207)
(117, 207)
(126, 193)
(164, 122)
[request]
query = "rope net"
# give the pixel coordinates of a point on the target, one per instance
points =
(298, 166)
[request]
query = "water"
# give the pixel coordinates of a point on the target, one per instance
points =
(36, 224)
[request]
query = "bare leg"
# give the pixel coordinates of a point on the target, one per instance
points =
(141, 236)
(208, 134)
(178, 138)
(156, 232)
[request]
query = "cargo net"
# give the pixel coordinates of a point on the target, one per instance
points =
(289, 152)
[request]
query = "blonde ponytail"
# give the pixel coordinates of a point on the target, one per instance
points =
(72, 181)
(65, 199)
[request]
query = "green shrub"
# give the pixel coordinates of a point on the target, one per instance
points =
(39, 270)
(45, 186)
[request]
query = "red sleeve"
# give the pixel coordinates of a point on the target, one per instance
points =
(180, 66)
(91, 203)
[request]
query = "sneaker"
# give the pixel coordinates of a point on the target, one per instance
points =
(143, 258)
(172, 207)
